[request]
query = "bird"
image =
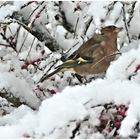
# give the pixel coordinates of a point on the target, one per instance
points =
(93, 56)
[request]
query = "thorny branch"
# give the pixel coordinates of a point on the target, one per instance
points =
(13, 46)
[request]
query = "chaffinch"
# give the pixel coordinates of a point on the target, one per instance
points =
(94, 56)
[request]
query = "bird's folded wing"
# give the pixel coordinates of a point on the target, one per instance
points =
(76, 61)
(92, 43)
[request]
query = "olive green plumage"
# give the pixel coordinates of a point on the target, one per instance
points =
(94, 56)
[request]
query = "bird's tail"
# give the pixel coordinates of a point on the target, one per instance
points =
(45, 76)
(65, 65)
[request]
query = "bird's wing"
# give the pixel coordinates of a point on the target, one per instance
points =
(67, 65)
(89, 46)
(76, 61)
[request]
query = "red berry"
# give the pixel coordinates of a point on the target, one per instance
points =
(52, 79)
(124, 113)
(52, 91)
(25, 135)
(119, 113)
(78, 7)
(138, 67)
(24, 66)
(117, 124)
(37, 60)
(42, 52)
(109, 129)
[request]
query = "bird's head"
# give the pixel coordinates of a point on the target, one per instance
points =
(111, 30)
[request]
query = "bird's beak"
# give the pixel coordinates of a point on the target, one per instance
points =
(118, 29)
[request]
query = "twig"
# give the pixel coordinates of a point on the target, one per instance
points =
(27, 4)
(87, 25)
(72, 47)
(30, 48)
(23, 43)
(4, 4)
(131, 13)
(125, 22)
(37, 15)
(10, 31)
(75, 130)
(35, 10)
(52, 65)
(76, 26)
(20, 23)
(45, 76)
(130, 64)
(1, 44)
(10, 43)
(117, 19)
(15, 37)
(110, 8)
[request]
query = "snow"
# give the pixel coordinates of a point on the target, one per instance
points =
(60, 38)
(22, 90)
(100, 14)
(48, 115)
(8, 9)
(56, 112)
(134, 28)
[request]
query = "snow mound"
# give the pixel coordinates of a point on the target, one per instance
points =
(19, 88)
(60, 110)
